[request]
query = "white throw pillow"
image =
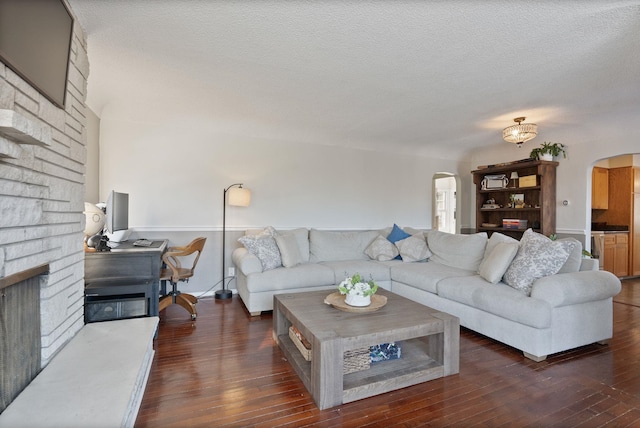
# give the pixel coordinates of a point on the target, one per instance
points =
(289, 249)
(461, 251)
(497, 262)
(574, 261)
(538, 256)
(264, 247)
(381, 249)
(413, 248)
(495, 239)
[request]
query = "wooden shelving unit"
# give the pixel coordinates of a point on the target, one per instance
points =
(539, 200)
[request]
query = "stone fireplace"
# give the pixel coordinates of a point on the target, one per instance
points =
(42, 175)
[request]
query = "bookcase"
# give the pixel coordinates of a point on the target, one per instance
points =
(534, 202)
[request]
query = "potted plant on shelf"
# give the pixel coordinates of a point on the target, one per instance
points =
(357, 291)
(547, 151)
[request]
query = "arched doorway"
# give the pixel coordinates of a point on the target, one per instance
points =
(445, 202)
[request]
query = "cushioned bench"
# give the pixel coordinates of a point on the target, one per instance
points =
(98, 378)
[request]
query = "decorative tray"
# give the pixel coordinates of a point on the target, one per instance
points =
(337, 301)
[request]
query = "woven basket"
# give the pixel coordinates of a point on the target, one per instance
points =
(355, 360)
(301, 343)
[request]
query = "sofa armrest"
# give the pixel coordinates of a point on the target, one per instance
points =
(246, 262)
(576, 287)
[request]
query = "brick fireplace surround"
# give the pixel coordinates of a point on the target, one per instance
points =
(42, 167)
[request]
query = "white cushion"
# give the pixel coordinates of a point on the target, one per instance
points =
(461, 251)
(496, 238)
(493, 267)
(327, 246)
(289, 249)
(574, 261)
(381, 249)
(413, 248)
(538, 256)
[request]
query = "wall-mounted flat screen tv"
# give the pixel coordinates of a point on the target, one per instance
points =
(35, 41)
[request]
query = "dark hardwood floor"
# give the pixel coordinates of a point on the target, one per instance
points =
(225, 370)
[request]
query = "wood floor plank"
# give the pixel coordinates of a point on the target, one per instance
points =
(225, 370)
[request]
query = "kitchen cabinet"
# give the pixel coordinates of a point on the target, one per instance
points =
(599, 188)
(624, 210)
(616, 254)
(635, 237)
(538, 208)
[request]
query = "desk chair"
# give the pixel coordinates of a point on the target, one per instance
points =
(174, 272)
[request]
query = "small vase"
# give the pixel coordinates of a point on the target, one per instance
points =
(357, 300)
(546, 157)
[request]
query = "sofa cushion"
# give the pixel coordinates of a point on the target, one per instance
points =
(368, 269)
(575, 257)
(495, 239)
(396, 235)
(461, 251)
(413, 248)
(493, 266)
(264, 247)
(331, 245)
(538, 256)
(289, 249)
(382, 249)
(498, 299)
(299, 276)
(425, 276)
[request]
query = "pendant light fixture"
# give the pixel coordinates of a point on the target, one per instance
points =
(521, 132)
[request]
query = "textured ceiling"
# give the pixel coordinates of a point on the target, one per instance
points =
(429, 77)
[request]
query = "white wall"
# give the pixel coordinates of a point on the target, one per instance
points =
(92, 166)
(176, 174)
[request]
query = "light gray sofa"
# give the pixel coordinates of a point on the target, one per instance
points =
(564, 310)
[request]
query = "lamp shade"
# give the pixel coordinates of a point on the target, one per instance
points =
(239, 197)
(514, 175)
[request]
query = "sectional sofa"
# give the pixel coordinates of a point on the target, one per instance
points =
(536, 295)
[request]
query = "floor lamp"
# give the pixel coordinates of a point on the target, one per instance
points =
(238, 197)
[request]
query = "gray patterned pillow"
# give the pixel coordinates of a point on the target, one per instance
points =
(413, 248)
(264, 247)
(538, 256)
(381, 249)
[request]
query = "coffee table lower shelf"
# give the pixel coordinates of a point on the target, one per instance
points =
(415, 366)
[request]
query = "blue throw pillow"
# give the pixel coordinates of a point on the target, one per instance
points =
(396, 235)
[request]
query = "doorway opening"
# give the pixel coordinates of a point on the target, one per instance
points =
(445, 202)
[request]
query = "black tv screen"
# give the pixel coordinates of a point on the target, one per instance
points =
(35, 41)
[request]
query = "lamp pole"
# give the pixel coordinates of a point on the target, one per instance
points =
(224, 293)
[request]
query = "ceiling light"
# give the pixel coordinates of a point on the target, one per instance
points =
(521, 132)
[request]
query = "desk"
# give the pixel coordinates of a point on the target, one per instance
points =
(123, 282)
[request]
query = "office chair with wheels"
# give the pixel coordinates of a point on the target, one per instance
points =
(174, 272)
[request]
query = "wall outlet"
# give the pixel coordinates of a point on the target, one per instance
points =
(232, 271)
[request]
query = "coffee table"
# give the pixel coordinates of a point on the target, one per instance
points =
(429, 339)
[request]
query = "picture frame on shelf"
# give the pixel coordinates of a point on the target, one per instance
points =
(517, 200)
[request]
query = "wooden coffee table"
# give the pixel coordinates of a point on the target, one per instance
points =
(429, 339)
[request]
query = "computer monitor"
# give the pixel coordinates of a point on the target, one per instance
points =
(117, 218)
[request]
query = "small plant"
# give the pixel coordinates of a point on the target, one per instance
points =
(356, 285)
(554, 149)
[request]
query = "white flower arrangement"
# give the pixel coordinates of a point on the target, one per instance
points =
(355, 285)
